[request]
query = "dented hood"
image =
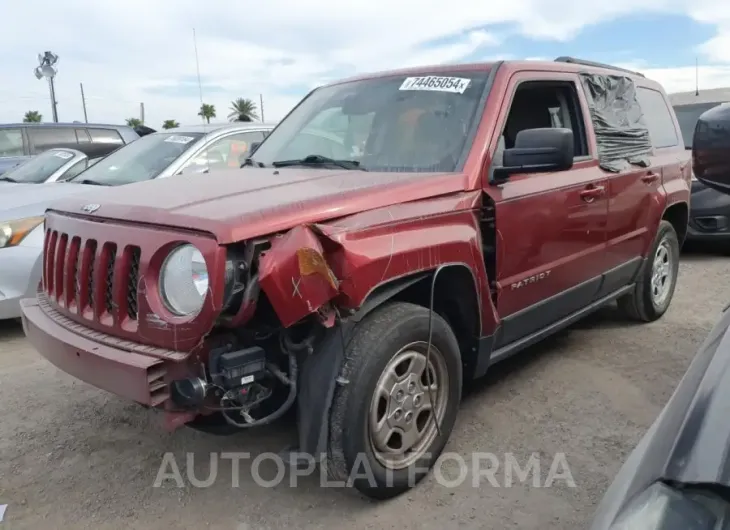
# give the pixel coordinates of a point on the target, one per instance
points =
(237, 205)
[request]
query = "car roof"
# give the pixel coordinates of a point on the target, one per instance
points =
(77, 125)
(560, 64)
(213, 127)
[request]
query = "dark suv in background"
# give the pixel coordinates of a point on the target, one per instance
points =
(19, 141)
(710, 210)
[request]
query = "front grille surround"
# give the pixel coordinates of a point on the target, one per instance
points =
(112, 284)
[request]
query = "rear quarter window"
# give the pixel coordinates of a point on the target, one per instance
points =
(107, 136)
(658, 118)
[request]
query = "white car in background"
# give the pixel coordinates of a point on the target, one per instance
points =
(55, 165)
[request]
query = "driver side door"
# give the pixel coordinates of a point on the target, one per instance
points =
(551, 227)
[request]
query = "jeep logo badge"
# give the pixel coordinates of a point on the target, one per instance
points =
(90, 208)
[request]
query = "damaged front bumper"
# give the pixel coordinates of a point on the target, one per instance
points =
(124, 368)
(143, 374)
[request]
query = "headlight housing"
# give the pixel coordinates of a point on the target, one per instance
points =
(663, 508)
(184, 281)
(13, 232)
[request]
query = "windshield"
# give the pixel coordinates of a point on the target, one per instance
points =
(687, 116)
(39, 168)
(399, 123)
(142, 159)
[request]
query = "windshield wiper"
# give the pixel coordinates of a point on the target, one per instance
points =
(319, 160)
(8, 179)
(89, 181)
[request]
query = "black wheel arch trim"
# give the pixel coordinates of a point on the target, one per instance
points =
(315, 398)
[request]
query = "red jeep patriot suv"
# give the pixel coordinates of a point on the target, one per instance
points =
(392, 238)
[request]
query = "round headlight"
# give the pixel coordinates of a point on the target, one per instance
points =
(5, 234)
(184, 280)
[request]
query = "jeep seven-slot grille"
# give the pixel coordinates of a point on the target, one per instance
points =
(132, 284)
(80, 275)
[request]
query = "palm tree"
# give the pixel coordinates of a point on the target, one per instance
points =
(207, 111)
(134, 122)
(170, 124)
(32, 116)
(243, 109)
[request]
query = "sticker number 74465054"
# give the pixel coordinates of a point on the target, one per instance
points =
(436, 84)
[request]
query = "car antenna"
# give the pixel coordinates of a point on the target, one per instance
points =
(697, 76)
(200, 90)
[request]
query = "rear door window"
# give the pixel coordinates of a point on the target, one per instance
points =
(44, 138)
(230, 151)
(107, 136)
(82, 135)
(657, 117)
(11, 142)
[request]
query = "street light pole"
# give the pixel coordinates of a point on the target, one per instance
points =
(54, 106)
(46, 68)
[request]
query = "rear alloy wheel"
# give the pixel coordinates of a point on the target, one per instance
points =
(655, 286)
(383, 428)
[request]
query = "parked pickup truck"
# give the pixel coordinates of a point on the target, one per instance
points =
(464, 213)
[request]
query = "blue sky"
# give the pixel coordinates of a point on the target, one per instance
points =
(658, 40)
(282, 49)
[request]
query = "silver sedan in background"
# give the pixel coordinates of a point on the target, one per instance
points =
(158, 155)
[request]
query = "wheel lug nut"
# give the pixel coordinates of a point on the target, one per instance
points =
(409, 417)
(412, 387)
(417, 401)
(397, 414)
(399, 396)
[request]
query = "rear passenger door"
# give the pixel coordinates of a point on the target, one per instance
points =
(632, 193)
(551, 227)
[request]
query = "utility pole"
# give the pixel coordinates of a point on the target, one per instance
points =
(141, 112)
(261, 99)
(83, 103)
(54, 103)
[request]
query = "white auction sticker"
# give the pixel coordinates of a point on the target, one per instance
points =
(436, 83)
(179, 139)
(63, 154)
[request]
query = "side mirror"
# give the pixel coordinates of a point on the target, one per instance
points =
(254, 146)
(537, 151)
(711, 149)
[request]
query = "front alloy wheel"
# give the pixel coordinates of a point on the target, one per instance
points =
(408, 402)
(383, 426)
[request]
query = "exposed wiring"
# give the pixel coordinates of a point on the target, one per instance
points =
(278, 413)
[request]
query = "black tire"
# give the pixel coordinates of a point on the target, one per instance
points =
(639, 304)
(375, 342)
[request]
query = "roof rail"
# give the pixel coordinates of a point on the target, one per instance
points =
(574, 60)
